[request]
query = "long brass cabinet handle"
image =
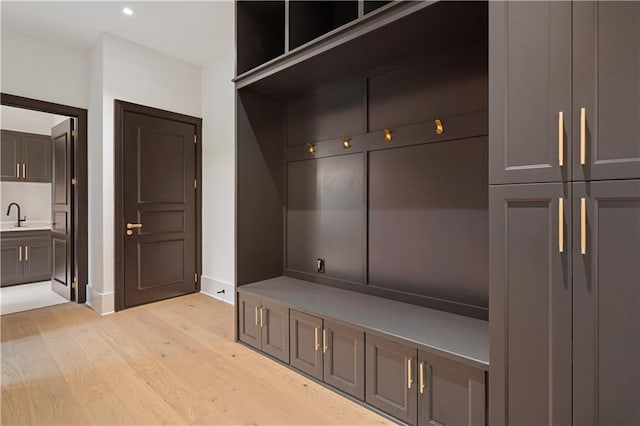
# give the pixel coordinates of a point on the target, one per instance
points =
(20, 255)
(18, 170)
(583, 136)
(24, 171)
(409, 375)
(261, 316)
(317, 339)
(421, 377)
(583, 226)
(324, 341)
(561, 225)
(257, 307)
(561, 139)
(26, 253)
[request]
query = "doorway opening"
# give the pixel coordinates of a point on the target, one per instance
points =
(44, 192)
(158, 204)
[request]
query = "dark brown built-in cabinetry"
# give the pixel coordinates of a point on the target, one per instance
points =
(564, 143)
(363, 199)
(26, 257)
(25, 157)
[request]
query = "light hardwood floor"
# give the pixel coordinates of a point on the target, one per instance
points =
(172, 362)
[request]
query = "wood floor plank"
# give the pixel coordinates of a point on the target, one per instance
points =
(172, 362)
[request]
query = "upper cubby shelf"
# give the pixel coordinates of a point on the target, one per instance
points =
(382, 37)
(309, 20)
(261, 32)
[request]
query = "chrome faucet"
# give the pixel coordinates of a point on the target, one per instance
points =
(19, 220)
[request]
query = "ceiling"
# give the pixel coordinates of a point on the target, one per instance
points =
(189, 30)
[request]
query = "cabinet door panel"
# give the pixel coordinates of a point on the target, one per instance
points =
(37, 266)
(10, 156)
(306, 352)
(450, 393)
(11, 264)
(390, 385)
(249, 331)
(606, 303)
(343, 349)
(606, 83)
(530, 80)
(36, 156)
(275, 331)
(530, 299)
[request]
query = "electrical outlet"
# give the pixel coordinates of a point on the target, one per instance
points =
(320, 266)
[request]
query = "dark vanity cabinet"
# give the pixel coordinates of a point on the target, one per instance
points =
(564, 210)
(265, 326)
(26, 257)
(26, 157)
(329, 352)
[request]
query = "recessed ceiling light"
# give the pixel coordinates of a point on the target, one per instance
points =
(127, 11)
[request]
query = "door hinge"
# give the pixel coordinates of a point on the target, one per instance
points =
(74, 133)
(74, 285)
(195, 183)
(74, 181)
(195, 278)
(195, 138)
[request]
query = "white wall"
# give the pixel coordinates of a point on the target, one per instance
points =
(132, 73)
(25, 120)
(218, 165)
(38, 69)
(34, 200)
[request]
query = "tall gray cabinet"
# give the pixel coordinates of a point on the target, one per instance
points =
(564, 213)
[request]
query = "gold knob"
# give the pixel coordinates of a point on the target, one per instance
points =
(129, 232)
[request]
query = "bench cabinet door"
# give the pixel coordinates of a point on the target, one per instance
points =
(249, 330)
(306, 350)
(391, 378)
(275, 330)
(343, 349)
(450, 393)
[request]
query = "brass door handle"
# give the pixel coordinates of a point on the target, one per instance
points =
(134, 225)
(421, 377)
(409, 375)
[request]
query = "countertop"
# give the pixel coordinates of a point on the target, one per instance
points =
(25, 226)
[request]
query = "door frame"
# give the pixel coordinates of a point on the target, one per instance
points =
(80, 195)
(120, 108)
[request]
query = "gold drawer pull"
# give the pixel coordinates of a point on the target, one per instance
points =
(561, 224)
(317, 339)
(324, 341)
(409, 375)
(261, 316)
(561, 139)
(583, 136)
(583, 226)
(421, 377)
(20, 256)
(257, 307)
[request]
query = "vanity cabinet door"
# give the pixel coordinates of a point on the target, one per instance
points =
(37, 259)
(10, 156)
(36, 157)
(12, 269)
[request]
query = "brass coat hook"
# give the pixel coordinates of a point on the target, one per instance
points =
(311, 148)
(387, 135)
(346, 143)
(439, 127)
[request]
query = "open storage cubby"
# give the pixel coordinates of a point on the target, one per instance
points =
(363, 167)
(371, 5)
(311, 19)
(260, 32)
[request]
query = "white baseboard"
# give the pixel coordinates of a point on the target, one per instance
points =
(102, 303)
(211, 287)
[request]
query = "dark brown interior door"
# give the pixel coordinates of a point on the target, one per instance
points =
(159, 214)
(61, 206)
